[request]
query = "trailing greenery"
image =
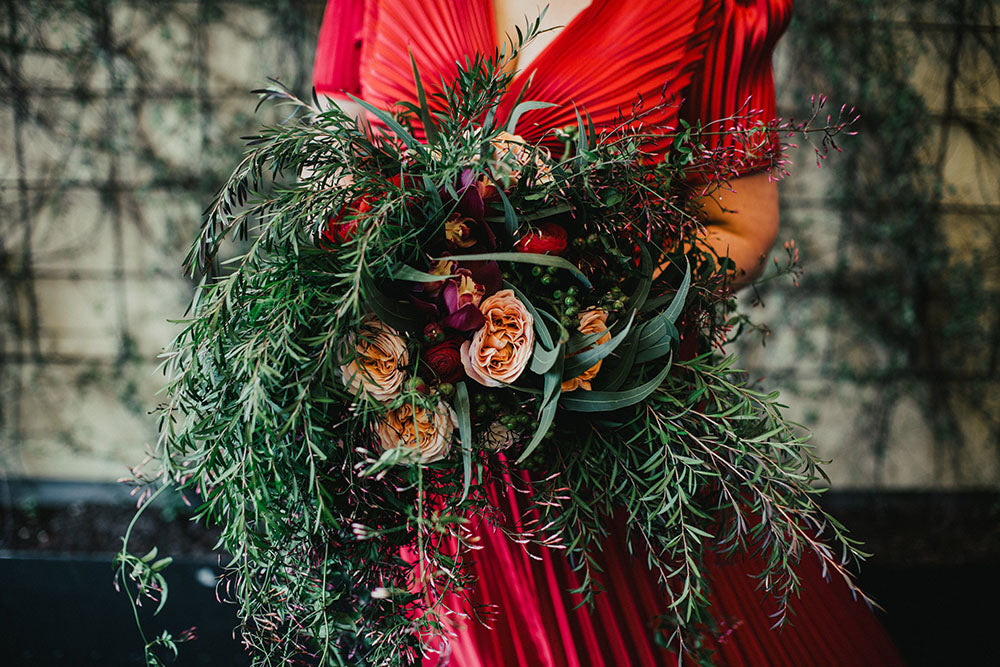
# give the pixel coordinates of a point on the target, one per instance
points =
(347, 544)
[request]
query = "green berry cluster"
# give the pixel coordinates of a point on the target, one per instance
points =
(613, 300)
(567, 306)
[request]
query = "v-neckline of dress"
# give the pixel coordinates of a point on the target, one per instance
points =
(520, 72)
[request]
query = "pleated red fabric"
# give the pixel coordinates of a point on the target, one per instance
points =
(710, 60)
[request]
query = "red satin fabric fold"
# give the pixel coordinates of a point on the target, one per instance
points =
(537, 622)
(700, 60)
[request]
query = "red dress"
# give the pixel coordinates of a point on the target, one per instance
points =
(714, 58)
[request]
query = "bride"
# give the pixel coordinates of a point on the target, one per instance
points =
(714, 56)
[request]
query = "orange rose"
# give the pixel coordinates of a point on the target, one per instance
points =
(419, 429)
(499, 352)
(591, 322)
(379, 358)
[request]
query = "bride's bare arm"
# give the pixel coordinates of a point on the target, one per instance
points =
(741, 222)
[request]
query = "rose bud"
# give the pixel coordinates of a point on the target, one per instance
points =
(433, 333)
(445, 360)
(547, 238)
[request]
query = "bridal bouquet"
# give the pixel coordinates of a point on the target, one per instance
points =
(425, 305)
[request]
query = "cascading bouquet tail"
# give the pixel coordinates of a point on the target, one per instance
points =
(427, 305)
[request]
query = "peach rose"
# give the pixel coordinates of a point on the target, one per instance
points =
(420, 429)
(591, 322)
(511, 148)
(499, 352)
(379, 358)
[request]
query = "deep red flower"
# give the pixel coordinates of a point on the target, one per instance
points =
(547, 238)
(445, 360)
(341, 227)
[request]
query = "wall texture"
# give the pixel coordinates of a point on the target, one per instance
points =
(119, 118)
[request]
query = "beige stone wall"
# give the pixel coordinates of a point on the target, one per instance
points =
(117, 123)
(897, 378)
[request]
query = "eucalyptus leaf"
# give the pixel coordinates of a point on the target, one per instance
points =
(552, 384)
(638, 298)
(542, 359)
(515, 115)
(543, 331)
(580, 362)
(408, 273)
(465, 435)
(509, 215)
(526, 258)
(617, 367)
(604, 401)
(658, 333)
(396, 314)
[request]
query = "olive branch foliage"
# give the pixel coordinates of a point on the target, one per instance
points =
(341, 553)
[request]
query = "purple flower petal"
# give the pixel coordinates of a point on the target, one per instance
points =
(487, 274)
(466, 318)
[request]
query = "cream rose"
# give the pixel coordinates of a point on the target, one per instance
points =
(499, 352)
(379, 356)
(420, 429)
(497, 437)
(591, 322)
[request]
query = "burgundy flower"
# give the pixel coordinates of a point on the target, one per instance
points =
(445, 360)
(458, 232)
(547, 238)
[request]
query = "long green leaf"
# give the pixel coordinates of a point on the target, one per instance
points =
(407, 272)
(391, 122)
(552, 385)
(509, 215)
(641, 293)
(526, 258)
(542, 359)
(541, 214)
(605, 401)
(515, 115)
(430, 129)
(579, 363)
(465, 435)
(657, 335)
(579, 341)
(654, 350)
(616, 368)
(674, 310)
(394, 313)
(543, 331)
